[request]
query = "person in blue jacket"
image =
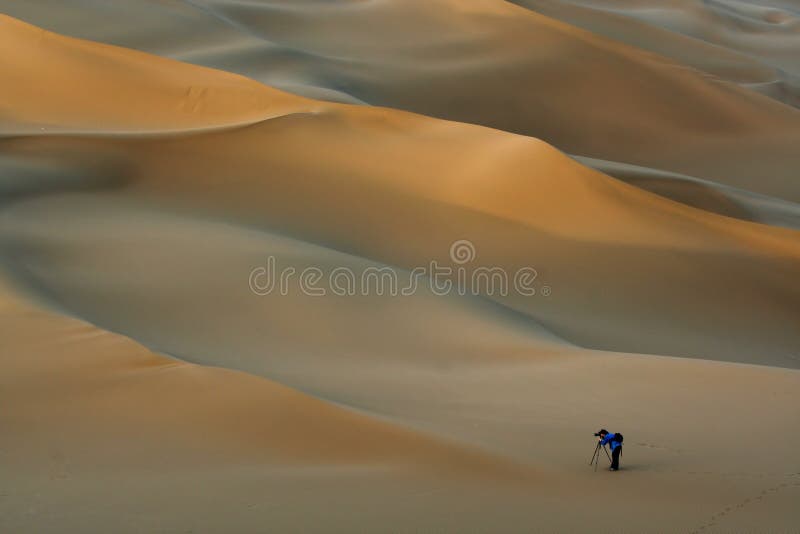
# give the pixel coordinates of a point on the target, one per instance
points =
(616, 447)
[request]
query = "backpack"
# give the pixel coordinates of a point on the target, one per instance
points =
(618, 438)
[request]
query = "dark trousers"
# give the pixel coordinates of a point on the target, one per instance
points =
(615, 457)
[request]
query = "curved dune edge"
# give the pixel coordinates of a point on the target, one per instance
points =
(646, 110)
(766, 31)
(66, 85)
(106, 408)
(305, 413)
(381, 182)
(399, 188)
(730, 61)
(703, 194)
(139, 408)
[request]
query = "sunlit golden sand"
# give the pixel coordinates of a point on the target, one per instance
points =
(642, 163)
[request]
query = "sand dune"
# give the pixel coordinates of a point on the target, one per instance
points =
(486, 62)
(148, 386)
(561, 220)
(709, 39)
(167, 407)
(66, 85)
(703, 194)
(764, 30)
(89, 411)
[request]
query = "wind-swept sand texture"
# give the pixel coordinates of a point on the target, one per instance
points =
(146, 387)
(487, 62)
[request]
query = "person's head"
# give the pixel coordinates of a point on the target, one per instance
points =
(603, 433)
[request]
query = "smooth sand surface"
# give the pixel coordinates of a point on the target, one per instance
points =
(486, 62)
(147, 387)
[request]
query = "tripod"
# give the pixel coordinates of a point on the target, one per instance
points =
(596, 455)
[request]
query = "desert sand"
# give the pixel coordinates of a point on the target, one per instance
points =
(639, 156)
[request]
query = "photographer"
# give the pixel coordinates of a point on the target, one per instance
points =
(616, 446)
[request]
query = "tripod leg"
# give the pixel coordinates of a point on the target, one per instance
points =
(597, 456)
(596, 451)
(608, 455)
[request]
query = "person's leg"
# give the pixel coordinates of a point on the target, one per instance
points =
(615, 457)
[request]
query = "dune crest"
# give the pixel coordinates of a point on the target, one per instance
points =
(379, 183)
(492, 63)
(65, 85)
(179, 351)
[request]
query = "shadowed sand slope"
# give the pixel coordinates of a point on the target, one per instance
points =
(755, 49)
(152, 406)
(398, 189)
(141, 194)
(88, 411)
(768, 31)
(487, 62)
(704, 194)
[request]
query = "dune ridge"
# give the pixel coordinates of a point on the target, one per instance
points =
(378, 192)
(505, 65)
(64, 85)
(728, 59)
(148, 395)
(147, 386)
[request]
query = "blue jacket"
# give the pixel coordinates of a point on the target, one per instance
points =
(610, 437)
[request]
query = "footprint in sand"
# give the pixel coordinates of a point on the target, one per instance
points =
(658, 447)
